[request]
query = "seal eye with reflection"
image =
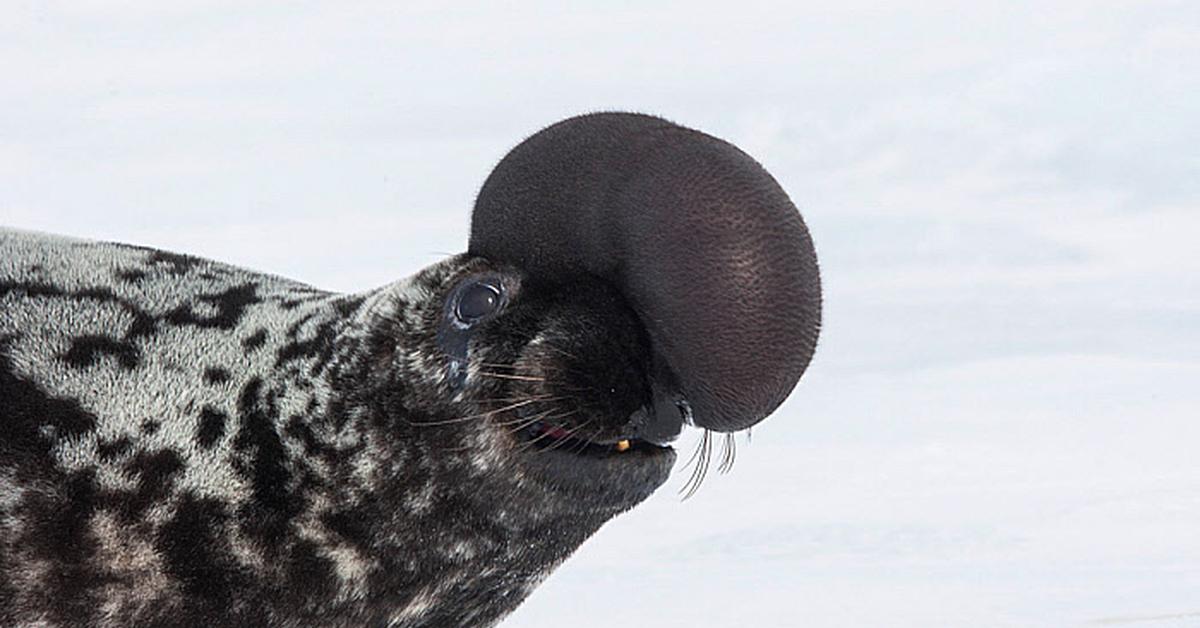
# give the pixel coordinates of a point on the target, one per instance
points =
(477, 301)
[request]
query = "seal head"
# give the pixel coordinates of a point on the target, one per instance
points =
(698, 237)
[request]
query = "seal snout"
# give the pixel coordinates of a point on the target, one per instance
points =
(575, 395)
(589, 372)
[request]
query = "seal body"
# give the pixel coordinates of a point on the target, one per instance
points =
(188, 443)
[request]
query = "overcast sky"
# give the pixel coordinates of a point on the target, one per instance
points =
(1001, 424)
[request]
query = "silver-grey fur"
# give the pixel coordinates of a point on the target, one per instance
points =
(222, 458)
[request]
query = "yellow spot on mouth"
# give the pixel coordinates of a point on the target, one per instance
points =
(622, 445)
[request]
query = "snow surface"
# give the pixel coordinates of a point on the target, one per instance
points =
(1000, 427)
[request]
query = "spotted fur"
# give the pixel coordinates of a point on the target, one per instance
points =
(187, 443)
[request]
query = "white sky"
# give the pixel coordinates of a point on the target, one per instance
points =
(1000, 428)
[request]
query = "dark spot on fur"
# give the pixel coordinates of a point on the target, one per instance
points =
(193, 544)
(310, 576)
(211, 427)
(268, 514)
(230, 305)
(173, 263)
(347, 306)
(150, 426)
(27, 409)
(58, 519)
(99, 294)
(215, 375)
(32, 289)
(144, 323)
(110, 450)
(256, 340)
(8, 593)
(143, 326)
(59, 534)
(40, 289)
(131, 275)
(155, 472)
(294, 330)
(321, 345)
(86, 351)
(298, 429)
(301, 295)
(352, 523)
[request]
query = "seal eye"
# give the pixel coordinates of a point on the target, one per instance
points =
(477, 301)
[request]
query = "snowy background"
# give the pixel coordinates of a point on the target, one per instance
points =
(1002, 425)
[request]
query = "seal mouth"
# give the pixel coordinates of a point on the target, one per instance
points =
(543, 436)
(616, 474)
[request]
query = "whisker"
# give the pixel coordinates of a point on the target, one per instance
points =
(511, 399)
(543, 374)
(702, 457)
(523, 378)
(551, 370)
(591, 438)
(539, 417)
(530, 444)
(695, 453)
(728, 453)
(524, 423)
(563, 439)
(560, 351)
(528, 422)
(478, 415)
(564, 368)
(499, 365)
(566, 414)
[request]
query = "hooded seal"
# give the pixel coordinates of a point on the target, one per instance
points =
(187, 443)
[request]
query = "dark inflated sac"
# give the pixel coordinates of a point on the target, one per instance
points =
(187, 443)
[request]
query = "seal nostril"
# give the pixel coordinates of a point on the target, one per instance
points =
(637, 421)
(662, 421)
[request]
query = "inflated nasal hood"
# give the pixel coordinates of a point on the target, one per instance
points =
(702, 242)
